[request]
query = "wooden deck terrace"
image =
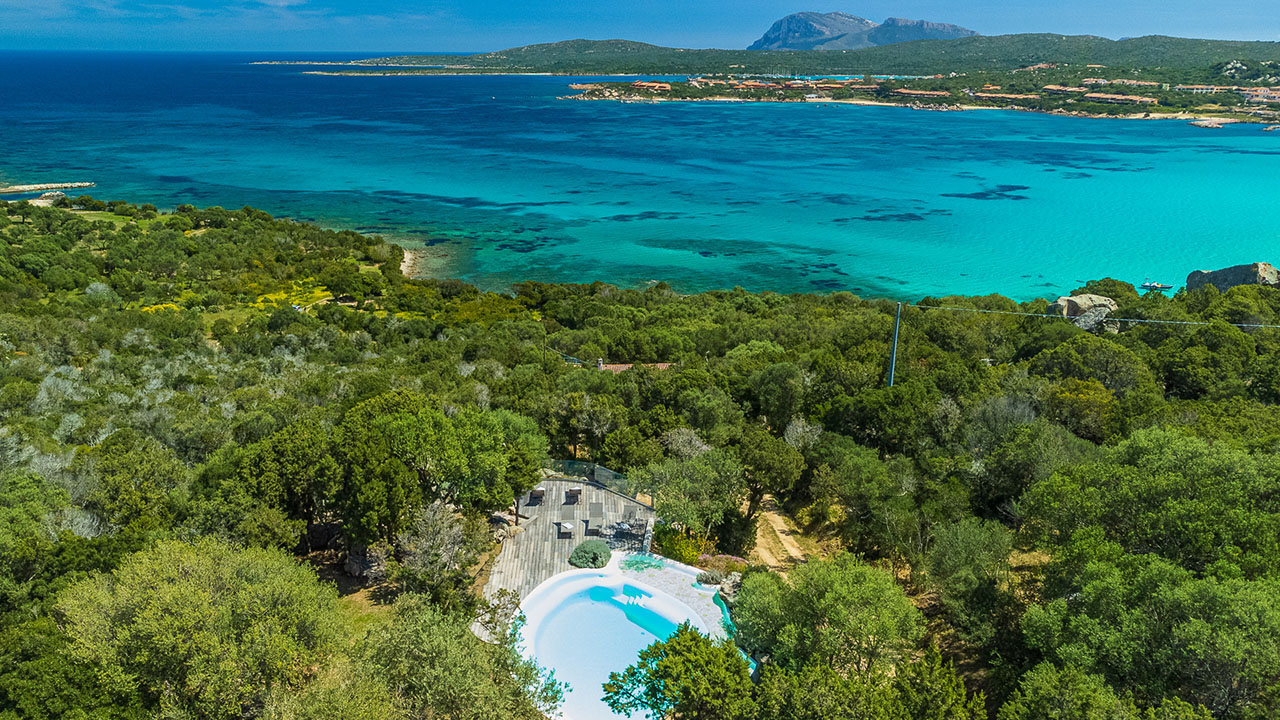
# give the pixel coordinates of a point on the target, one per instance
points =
(543, 548)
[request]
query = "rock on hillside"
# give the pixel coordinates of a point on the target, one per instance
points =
(842, 31)
(899, 30)
(1256, 274)
(812, 31)
(1076, 305)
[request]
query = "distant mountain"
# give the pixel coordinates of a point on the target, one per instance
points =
(900, 30)
(814, 31)
(842, 31)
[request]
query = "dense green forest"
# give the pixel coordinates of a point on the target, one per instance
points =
(923, 57)
(204, 412)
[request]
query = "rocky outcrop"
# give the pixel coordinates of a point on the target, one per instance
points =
(842, 31)
(813, 31)
(900, 30)
(1095, 320)
(1076, 305)
(1256, 274)
(729, 588)
(368, 563)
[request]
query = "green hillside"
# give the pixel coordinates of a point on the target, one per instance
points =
(1003, 52)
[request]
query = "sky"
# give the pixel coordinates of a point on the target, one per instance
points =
(479, 25)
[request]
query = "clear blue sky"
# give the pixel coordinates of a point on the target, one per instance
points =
(425, 25)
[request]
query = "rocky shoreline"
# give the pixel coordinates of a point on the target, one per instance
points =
(42, 187)
(1198, 120)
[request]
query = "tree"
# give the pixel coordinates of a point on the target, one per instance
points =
(1118, 290)
(769, 464)
(378, 489)
(40, 680)
(686, 676)
(25, 501)
(298, 466)
(1026, 455)
(1089, 357)
(779, 390)
(966, 565)
(202, 629)
(430, 659)
(926, 689)
(628, 448)
(436, 551)
(929, 689)
(818, 692)
(1050, 693)
(1205, 507)
(840, 612)
(1149, 627)
(137, 476)
(696, 493)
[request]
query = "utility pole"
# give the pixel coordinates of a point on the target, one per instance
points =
(893, 354)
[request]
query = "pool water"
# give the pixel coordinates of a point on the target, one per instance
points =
(585, 626)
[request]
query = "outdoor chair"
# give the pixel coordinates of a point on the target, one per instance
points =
(595, 518)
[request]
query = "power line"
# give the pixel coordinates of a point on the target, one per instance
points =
(1065, 317)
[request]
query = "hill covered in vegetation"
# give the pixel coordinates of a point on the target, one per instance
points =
(205, 411)
(924, 57)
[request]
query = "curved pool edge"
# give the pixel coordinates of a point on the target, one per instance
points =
(550, 593)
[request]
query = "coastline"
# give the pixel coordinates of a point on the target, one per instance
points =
(455, 73)
(409, 263)
(432, 261)
(1203, 120)
(1220, 120)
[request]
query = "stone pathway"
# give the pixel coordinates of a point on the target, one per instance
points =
(680, 583)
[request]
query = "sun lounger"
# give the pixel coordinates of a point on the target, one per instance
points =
(564, 529)
(568, 520)
(595, 518)
(572, 495)
(536, 495)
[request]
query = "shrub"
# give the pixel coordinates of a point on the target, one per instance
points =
(710, 577)
(590, 554)
(723, 564)
(672, 543)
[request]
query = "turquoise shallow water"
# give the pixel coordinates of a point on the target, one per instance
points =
(506, 183)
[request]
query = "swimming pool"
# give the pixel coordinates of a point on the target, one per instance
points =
(585, 624)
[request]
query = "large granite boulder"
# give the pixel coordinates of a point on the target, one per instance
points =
(729, 588)
(368, 563)
(1077, 305)
(1095, 320)
(1256, 274)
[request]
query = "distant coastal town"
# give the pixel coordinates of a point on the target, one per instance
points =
(1042, 87)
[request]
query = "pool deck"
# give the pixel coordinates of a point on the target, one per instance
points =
(542, 549)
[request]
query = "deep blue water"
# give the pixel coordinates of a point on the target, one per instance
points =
(504, 182)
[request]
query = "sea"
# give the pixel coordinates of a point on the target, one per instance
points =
(498, 180)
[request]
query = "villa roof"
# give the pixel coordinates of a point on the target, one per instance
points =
(923, 93)
(616, 368)
(1110, 97)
